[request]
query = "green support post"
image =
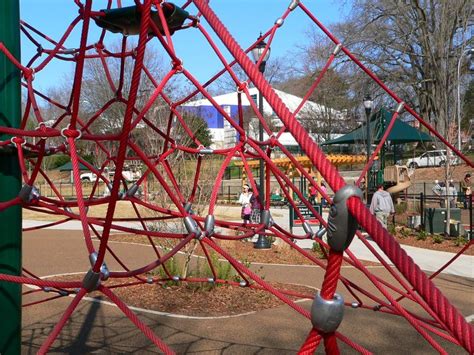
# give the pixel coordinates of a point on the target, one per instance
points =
(10, 182)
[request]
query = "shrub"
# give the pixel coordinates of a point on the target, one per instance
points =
(401, 207)
(223, 270)
(438, 239)
(318, 250)
(391, 229)
(404, 233)
(422, 235)
(460, 241)
(173, 268)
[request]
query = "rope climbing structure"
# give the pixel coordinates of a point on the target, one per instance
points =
(151, 25)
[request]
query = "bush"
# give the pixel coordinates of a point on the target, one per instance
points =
(438, 239)
(404, 233)
(401, 207)
(460, 241)
(422, 235)
(318, 250)
(173, 268)
(223, 270)
(391, 229)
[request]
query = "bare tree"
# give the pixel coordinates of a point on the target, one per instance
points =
(414, 47)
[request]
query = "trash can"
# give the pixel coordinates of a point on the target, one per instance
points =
(454, 228)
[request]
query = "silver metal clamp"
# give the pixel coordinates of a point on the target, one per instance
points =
(326, 315)
(341, 224)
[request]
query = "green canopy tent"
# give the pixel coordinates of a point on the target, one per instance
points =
(400, 133)
(68, 167)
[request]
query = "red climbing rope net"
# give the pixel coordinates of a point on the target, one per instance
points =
(73, 128)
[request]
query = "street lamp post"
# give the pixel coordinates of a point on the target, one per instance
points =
(257, 52)
(470, 52)
(368, 105)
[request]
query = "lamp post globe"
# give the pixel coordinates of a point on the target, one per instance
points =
(258, 51)
(368, 105)
(261, 53)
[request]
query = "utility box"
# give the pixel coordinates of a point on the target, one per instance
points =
(435, 219)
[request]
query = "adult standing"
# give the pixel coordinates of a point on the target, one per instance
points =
(466, 190)
(443, 192)
(244, 200)
(382, 205)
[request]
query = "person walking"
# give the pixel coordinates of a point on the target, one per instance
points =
(382, 205)
(244, 200)
(466, 190)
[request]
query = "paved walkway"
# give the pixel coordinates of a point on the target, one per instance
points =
(96, 327)
(428, 260)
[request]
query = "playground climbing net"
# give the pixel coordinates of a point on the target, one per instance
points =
(153, 23)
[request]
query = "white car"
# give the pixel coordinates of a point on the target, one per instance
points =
(128, 175)
(431, 158)
(89, 177)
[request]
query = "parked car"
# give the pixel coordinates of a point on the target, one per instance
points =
(431, 158)
(89, 177)
(128, 175)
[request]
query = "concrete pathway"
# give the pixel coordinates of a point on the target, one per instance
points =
(428, 260)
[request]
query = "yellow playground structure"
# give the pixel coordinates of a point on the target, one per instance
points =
(397, 175)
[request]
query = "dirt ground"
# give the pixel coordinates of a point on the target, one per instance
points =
(431, 174)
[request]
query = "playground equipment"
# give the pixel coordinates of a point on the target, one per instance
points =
(397, 175)
(72, 127)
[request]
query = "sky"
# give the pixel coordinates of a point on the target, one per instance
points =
(245, 19)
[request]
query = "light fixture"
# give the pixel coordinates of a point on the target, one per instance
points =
(368, 103)
(258, 51)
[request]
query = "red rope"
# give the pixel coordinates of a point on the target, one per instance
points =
(454, 321)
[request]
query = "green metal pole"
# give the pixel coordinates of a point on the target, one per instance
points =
(10, 182)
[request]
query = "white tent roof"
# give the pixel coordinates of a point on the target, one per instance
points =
(291, 101)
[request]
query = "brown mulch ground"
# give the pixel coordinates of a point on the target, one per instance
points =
(244, 251)
(418, 239)
(200, 299)
(204, 299)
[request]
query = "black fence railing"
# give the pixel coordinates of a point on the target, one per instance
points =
(420, 202)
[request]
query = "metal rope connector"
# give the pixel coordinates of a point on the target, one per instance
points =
(206, 150)
(293, 4)
(188, 207)
(279, 22)
(29, 194)
(104, 270)
(209, 225)
(91, 281)
(132, 190)
(307, 229)
(192, 227)
(326, 315)
(341, 224)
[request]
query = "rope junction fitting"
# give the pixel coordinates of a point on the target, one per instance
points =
(341, 223)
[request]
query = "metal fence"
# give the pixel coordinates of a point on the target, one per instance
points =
(420, 202)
